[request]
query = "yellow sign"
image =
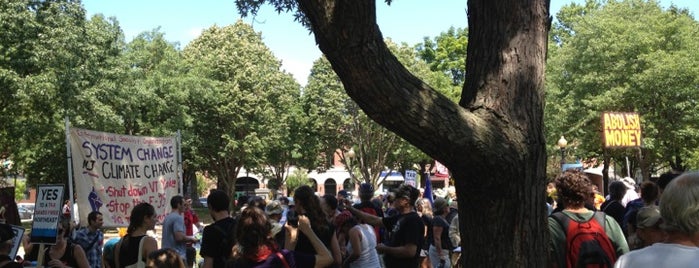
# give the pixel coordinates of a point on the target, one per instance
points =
(621, 129)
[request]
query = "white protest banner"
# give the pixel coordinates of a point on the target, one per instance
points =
(47, 211)
(113, 173)
(411, 177)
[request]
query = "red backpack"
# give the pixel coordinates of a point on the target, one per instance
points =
(587, 243)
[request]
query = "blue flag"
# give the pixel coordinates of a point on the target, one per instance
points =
(428, 188)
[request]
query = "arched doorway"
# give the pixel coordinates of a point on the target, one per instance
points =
(313, 184)
(246, 185)
(348, 184)
(330, 187)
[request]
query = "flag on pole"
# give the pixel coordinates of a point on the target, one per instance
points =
(428, 188)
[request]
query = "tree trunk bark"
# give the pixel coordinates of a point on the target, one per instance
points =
(492, 141)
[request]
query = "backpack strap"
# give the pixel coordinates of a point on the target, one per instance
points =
(599, 216)
(562, 220)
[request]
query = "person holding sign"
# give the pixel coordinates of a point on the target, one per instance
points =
(133, 249)
(6, 235)
(64, 253)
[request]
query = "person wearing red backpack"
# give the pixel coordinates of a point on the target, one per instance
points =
(579, 236)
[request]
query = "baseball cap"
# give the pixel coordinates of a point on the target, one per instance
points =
(648, 217)
(344, 193)
(366, 191)
(366, 188)
(274, 207)
(440, 204)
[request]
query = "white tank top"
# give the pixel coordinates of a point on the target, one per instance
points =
(367, 256)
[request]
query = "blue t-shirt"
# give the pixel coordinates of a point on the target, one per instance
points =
(174, 222)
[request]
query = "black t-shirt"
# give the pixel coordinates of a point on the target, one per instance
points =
(303, 244)
(438, 221)
(427, 221)
(404, 229)
(615, 209)
(212, 241)
(68, 258)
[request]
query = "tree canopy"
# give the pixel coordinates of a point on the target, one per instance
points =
(626, 56)
(497, 123)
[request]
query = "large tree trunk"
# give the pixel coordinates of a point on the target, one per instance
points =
(492, 141)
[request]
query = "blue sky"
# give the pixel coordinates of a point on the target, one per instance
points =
(406, 21)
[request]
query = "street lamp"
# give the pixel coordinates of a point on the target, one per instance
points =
(350, 153)
(562, 143)
(348, 158)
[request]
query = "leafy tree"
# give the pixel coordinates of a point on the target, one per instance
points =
(235, 99)
(325, 106)
(56, 60)
(446, 53)
(337, 122)
(285, 136)
(18, 30)
(628, 56)
(296, 179)
(492, 140)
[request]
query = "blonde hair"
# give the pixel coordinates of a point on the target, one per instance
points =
(423, 206)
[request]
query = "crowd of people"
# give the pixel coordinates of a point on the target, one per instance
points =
(396, 230)
(658, 229)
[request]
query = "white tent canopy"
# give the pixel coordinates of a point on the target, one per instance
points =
(598, 171)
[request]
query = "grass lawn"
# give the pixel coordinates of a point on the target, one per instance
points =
(203, 215)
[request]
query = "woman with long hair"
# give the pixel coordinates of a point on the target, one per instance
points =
(424, 210)
(136, 243)
(361, 245)
(308, 204)
(256, 246)
(65, 253)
